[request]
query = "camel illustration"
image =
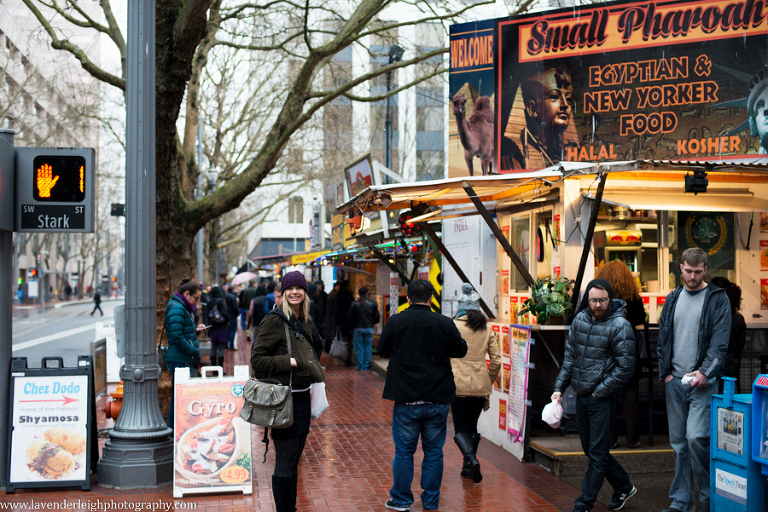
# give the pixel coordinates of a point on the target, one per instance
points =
(476, 135)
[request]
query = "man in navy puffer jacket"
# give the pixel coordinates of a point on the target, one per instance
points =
(599, 362)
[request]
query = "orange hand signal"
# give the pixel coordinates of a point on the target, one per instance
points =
(45, 180)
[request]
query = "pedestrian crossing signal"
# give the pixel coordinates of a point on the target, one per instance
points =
(59, 178)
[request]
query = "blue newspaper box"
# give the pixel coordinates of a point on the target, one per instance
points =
(736, 484)
(760, 414)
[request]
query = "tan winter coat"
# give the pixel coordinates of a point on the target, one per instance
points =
(471, 374)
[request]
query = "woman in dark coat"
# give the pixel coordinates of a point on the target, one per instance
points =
(738, 331)
(180, 330)
(219, 332)
(269, 355)
(625, 288)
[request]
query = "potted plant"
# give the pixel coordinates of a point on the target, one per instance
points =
(549, 301)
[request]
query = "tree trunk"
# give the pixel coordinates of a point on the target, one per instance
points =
(173, 53)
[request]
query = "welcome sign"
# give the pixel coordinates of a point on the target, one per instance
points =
(623, 81)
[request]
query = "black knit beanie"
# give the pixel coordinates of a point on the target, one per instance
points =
(602, 283)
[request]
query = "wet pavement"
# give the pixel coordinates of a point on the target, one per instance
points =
(346, 466)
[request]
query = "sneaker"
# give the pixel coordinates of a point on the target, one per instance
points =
(391, 506)
(620, 498)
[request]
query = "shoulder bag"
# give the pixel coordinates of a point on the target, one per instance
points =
(267, 402)
(338, 348)
(161, 351)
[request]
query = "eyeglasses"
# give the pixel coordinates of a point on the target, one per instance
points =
(196, 297)
(598, 301)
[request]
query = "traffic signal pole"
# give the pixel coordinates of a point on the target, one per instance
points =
(139, 452)
(7, 287)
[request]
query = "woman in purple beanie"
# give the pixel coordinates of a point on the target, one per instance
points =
(299, 369)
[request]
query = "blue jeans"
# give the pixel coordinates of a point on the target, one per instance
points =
(408, 422)
(232, 333)
(172, 368)
(688, 420)
(593, 419)
(363, 339)
(243, 314)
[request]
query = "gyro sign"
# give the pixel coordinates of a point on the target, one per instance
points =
(212, 443)
(651, 80)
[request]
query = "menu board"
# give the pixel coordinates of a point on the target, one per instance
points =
(519, 344)
(51, 408)
(49, 428)
(212, 444)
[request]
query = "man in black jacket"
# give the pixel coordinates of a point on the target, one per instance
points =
(419, 344)
(599, 361)
(245, 303)
(97, 303)
(694, 330)
(344, 300)
(362, 316)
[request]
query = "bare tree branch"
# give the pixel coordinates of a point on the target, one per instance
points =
(88, 22)
(77, 52)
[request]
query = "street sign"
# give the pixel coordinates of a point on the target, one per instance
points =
(55, 190)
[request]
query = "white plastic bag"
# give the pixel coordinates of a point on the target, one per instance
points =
(552, 414)
(319, 401)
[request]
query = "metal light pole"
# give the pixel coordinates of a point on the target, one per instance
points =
(41, 280)
(15, 278)
(198, 195)
(395, 55)
(139, 452)
(6, 283)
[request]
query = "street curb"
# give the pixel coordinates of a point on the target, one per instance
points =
(60, 305)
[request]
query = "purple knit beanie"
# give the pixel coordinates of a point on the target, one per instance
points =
(294, 278)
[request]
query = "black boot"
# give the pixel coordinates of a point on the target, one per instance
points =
(466, 445)
(283, 491)
(476, 476)
(466, 471)
(221, 363)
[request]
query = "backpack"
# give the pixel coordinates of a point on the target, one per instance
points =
(215, 316)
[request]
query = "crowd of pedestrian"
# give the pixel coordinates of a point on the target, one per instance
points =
(439, 364)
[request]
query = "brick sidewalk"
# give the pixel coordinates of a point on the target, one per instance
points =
(346, 466)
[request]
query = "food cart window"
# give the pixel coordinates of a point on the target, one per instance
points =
(711, 231)
(520, 239)
(630, 236)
